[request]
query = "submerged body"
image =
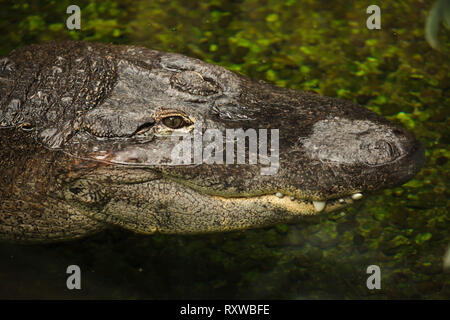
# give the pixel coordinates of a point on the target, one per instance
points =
(86, 130)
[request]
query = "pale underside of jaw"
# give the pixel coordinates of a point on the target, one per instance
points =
(291, 204)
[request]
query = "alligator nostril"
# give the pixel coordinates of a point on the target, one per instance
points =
(385, 146)
(380, 152)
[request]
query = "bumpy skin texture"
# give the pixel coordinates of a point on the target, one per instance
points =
(83, 145)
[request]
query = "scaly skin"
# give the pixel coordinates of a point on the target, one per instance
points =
(85, 137)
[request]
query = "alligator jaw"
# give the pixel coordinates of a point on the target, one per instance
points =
(293, 205)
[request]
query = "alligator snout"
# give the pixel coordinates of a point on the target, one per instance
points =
(358, 142)
(357, 154)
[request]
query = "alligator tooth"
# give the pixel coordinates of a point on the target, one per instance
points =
(319, 205)
(279, 195)
(292, 198)
(357, 196)
(341, 200)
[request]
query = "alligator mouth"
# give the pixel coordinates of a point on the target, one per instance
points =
(291, 204)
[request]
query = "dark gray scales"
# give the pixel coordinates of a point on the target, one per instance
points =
(53, 85)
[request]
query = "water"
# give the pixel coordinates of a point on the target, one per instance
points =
(305, 45)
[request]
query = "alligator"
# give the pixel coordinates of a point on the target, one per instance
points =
(86, 131)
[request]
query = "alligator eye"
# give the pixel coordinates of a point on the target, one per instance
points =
(175, 122)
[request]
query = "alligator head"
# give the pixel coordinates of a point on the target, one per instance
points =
(124, 112)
